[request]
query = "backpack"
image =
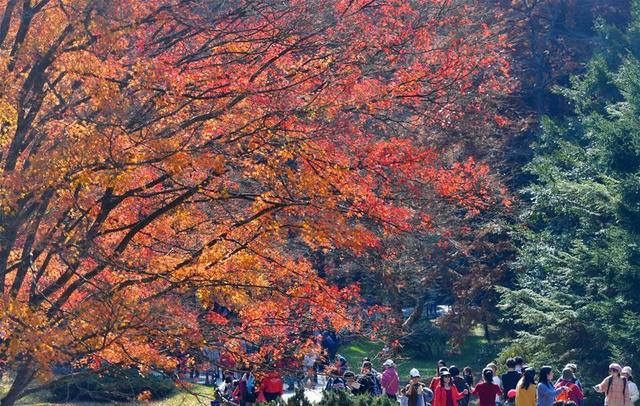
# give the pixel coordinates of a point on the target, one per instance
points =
(564, 395)
(624, 385)
(427, 396)
(377, 388)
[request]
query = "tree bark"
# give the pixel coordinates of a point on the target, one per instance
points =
(23, 377)
(415, 314)
(485, 325)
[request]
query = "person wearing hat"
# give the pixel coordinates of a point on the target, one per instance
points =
(614, 388)
(633, 388)
(350, 381)
(390, 381)
(416, 392)
(574, 393)
(435, 381)
(573, 367)
(442, 366)
(446, 393)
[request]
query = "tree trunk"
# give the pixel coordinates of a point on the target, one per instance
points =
(485, 325)
(416, 314)
(23, 378)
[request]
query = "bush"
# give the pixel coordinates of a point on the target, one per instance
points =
(426, 339)
(115, 385)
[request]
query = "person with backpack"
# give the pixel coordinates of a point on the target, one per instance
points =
(574, 393)
(510, 380)
(487, 390)
(574, 368)
(615, 388)
(446, 393)
(633, 388)
(390, 381)
(547, 393)
(526, 390)
(416, 392)
(461, 385)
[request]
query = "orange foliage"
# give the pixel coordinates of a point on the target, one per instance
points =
(159, 157)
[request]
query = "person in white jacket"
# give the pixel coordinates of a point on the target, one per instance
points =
(633, 388)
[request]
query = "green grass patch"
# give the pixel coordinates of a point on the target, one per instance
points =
(476, 353)
(196, 395)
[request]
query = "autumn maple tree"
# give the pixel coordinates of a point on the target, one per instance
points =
(158, 157)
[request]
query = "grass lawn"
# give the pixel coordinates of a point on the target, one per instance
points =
(476, 353)
(195, 395)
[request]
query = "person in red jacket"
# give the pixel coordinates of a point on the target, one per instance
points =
(574, 393)
(272, 386)
(446, 393)
(435, 381)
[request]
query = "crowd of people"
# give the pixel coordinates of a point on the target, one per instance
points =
(519, 385)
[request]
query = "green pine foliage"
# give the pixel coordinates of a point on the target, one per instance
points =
(578, 290)
(341, 398)
(298, 399)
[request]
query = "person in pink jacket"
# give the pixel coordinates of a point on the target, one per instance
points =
(390, 380)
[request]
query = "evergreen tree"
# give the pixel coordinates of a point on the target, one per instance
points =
(577, 296)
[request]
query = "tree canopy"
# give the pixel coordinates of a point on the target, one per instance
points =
(159, 158)
(579, 259)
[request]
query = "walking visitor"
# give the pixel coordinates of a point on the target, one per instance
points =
(487, 390)
(547, 393)
(614, 387)
(390, 381)
(446, 393)
(526, 390)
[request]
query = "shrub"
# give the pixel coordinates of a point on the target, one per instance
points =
(116, 385)
(426, 339)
